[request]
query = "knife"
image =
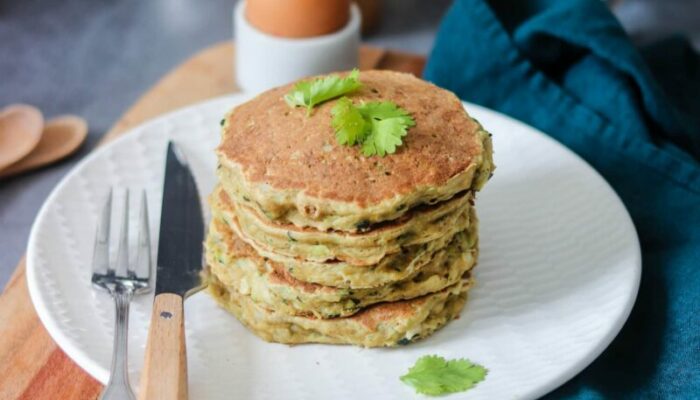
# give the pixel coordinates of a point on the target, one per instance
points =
(178, 275)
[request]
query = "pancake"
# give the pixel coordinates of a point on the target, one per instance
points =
(313, 242)
(289, 168)
(395, 267)
(384, 324)
(268, 282)
(421, 226)
(409, 229)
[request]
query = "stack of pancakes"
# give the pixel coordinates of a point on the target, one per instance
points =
(311, 241)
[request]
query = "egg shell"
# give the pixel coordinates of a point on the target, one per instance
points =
(297, 18)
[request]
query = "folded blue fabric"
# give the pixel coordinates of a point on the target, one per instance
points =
(568, 68)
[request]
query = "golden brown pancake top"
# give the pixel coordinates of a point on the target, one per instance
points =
(286, 149)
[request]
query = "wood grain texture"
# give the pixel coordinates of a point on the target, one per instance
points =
(32, 367)
(164, 375)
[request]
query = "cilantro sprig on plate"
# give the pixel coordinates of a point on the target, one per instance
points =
(311, 93)
(433, 375)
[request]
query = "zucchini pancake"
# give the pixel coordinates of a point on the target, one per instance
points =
(315, 240)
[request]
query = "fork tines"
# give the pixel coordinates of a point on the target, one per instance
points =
(123, 273)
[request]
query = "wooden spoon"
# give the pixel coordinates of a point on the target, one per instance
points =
(61, 137)
(20, 132)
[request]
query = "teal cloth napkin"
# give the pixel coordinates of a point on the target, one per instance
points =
(568, 68)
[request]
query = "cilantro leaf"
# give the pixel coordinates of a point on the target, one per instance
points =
(384, 110)
(311, 93)
(389, 124)
(433, 375)
(349, 124)
(384, 138)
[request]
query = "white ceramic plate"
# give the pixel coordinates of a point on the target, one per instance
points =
(559, 271)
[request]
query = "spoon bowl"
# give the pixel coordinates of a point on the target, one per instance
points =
(20, 132)
(60, 138)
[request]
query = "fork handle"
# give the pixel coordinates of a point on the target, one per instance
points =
(164, 375)
(118, 387)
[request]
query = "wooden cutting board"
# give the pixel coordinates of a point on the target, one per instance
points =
(32, 367)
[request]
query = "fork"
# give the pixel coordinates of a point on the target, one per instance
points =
(122, 281)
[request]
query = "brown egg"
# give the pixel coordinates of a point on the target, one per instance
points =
(298, 18)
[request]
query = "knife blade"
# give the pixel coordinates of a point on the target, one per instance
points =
(180, 244)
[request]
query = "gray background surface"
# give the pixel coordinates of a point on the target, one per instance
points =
(95, 57)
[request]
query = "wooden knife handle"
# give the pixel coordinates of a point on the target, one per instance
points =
(164, 375)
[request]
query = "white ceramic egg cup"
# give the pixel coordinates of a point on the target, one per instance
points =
(264, 61)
